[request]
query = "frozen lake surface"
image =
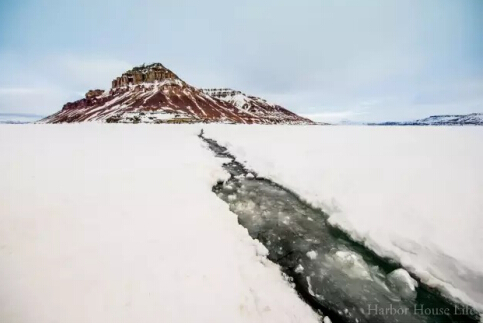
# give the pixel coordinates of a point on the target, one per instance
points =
(334, 274)
(120, 223)
(410, 194)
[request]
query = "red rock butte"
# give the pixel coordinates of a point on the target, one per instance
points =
(154, 94)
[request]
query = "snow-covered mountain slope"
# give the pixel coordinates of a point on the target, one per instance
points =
(469, 119)
(168, 100)
(154, 94)
(269, 113)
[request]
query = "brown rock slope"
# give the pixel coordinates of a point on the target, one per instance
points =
(154, 94)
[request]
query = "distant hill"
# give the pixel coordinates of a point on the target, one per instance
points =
(469, 119)
(14, 122)
(19, 118)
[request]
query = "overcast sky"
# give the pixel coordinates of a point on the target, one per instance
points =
(329, 60)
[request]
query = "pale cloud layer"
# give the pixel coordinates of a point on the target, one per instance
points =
(335, 116)
(332, 60)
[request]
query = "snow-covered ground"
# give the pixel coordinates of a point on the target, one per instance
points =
(119, 223)
(409, 193)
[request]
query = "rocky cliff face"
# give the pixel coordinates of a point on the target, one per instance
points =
(137, 75)
(154, 94)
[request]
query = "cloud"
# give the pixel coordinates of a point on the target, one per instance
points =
(18, 91)
(391, 60)
(334, 116)
(42, 85)
(20, 117)
(21, 91)
(41, 101)
(87, 72)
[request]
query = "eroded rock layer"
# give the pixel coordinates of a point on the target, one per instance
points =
(154, 94)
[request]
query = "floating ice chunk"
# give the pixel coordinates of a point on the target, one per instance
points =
(403, 283)
(327, 319)
(309, 286)
(246, 207)
(250, 176)
(299, 269)
(312, 255)
(351, 264)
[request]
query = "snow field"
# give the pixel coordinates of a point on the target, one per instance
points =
(119, 223)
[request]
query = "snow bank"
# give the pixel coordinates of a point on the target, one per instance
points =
(119, 223)
(414, 194)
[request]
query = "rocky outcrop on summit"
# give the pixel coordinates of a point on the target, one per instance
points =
(154, 94)
(151, 73)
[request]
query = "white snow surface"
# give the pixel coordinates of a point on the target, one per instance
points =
(413, 194)
(119, 223)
